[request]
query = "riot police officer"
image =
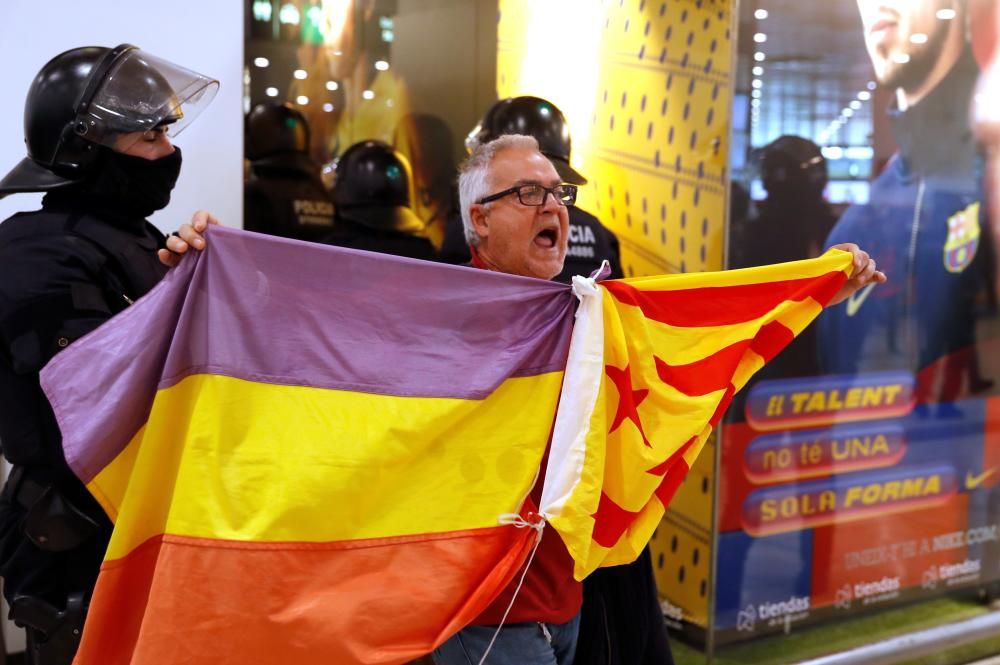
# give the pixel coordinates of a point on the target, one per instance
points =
(283, 195)
(794, 173)
(790, 224)
(98, 123)
(372, 198)
(590, 242)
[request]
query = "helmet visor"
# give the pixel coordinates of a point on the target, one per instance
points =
(142, 92)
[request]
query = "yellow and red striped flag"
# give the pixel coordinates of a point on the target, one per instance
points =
(653, 365)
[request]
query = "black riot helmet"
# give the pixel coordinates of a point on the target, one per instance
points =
(374, 188)
(275, 129)
(94, 96)
(793, 167)
(535, 117)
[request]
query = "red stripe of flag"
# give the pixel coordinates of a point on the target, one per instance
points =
(715, 372)
(610, 522)
(704, 376)
(386, 601)
(675, 475)
(724, 305)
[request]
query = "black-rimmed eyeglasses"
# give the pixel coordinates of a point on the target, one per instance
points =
(535, 195)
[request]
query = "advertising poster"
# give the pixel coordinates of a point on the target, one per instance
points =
(843, 492)
(862, 469)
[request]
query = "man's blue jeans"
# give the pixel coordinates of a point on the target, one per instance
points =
(517, 644)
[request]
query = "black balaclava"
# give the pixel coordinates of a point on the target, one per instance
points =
(134, 186)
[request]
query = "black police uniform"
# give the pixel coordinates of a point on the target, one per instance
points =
(621, 622)
(283, 194)
(64, 270)
(383, 240)
(590, 243)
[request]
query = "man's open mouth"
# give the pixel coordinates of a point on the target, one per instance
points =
(547, 238)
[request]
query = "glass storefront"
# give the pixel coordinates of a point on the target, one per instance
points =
(415, 75)
(860, 471)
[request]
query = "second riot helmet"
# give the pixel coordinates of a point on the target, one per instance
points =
(374, 188)
(274, 129)
(535, 117)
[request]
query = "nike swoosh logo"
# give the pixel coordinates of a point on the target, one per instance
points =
(972, 482)
(856, 299)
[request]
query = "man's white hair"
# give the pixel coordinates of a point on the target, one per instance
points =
(474, 180)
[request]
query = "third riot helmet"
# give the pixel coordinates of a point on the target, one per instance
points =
(374, 188)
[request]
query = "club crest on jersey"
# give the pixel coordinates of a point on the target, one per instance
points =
(963, 238)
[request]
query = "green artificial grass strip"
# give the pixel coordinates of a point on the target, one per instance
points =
(819, 641)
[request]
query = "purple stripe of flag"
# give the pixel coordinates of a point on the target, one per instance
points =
(280, 311)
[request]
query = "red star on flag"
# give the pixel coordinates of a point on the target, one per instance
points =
(629, 399)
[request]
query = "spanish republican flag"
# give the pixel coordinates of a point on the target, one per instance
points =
(316, 455)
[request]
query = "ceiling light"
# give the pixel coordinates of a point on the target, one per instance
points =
(871, 85)
(271, 92)
(381, 65)
(261, 62)
(754, 103)
(901, 58)
(289, 14)
(368, 94)
(302, 99)
(859, 152)
(918, 38)
(757, 83)
(760, 14)
(945, 14)
(833, 152)
(847, 113)
(755, 94)
(855, 105)
(759, 57)
(864, 95)
(300, 74)
(328, 107)
(758, 71)
(262, 10)
(760, 37)
(331, 85)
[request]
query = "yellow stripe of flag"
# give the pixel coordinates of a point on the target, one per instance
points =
(470, 459)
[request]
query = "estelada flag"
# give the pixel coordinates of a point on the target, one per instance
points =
(319, 455)
(653, 366)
